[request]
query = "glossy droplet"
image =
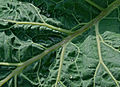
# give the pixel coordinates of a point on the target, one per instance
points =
(58, 83)
(72, 60)
(71, 77)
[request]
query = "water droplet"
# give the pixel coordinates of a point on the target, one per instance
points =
(71, 77)
(58, 82)
(72, 60)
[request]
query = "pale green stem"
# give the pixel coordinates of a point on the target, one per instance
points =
(13, 73)
(76, 19)
(38, 73)
(61, 63)
(78, 25)
(38, 13)
(106, 68)
(40, 24)
(104, 13)
(108, 44)
(118, 14)
(98, 42)
(62, 84)
(100, 56)
(25, 77)
(95, 5)
(10, 64)
(15, 81)
(39, 45)
(77, 22)
(96, 73)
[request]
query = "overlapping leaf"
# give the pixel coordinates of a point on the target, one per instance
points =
(81, 64)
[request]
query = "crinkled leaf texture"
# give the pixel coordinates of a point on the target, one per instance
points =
(81, 65)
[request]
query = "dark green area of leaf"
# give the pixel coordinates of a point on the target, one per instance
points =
(19, 43)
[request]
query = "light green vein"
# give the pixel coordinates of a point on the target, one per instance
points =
(61, 63)
(100, 56)
(78, 32)
(10, 64)
(40, 24)
(95, 5)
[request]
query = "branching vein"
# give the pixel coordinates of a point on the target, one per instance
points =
(100, 56)
(72, 35)
(40, 24)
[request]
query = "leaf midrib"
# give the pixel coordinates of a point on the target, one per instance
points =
(104, 13)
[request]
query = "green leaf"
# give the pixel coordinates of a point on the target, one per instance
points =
(59, 43)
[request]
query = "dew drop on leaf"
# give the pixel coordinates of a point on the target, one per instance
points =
(58, 83)
(71, 77)
(72, 60)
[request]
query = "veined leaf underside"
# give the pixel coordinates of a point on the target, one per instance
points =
(59, 43)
